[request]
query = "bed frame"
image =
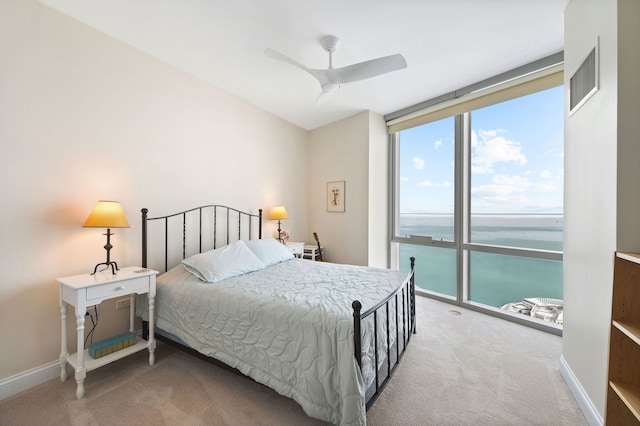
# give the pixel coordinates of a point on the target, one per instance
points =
(218, 225)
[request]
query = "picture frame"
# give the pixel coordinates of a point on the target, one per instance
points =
(336, 196)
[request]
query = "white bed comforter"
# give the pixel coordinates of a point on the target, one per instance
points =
(288, 326)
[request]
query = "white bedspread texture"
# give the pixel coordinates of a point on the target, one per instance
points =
(288, 326)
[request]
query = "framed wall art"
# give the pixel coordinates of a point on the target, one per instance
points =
(335, 196)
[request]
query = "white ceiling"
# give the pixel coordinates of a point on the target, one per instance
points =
(448, 44)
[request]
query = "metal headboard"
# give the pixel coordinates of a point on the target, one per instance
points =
(230, 215)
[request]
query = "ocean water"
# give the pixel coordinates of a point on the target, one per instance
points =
(494, 279)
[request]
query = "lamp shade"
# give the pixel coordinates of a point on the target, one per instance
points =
(279, 213)
(107, 214)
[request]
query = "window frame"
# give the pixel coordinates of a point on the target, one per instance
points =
(462, 194)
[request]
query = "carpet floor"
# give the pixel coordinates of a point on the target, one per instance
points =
(462, 368)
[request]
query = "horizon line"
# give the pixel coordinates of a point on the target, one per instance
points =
(488, 214)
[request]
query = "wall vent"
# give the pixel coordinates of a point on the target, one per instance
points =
(584, 82)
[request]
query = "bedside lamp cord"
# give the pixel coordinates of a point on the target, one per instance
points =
(93, 328)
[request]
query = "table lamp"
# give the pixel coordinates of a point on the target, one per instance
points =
(107, 214)
(279, 213)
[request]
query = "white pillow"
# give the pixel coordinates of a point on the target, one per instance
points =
(225, 262)
(269, 251)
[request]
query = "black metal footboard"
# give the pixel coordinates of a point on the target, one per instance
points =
(403, 300)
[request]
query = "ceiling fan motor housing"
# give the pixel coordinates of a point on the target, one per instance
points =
(330, 43)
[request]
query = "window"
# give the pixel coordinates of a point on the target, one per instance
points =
(427, 180)
(478, 200)
(516, 198)
(517, 172)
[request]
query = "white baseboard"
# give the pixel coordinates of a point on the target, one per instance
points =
(21, 382)
(590, 413)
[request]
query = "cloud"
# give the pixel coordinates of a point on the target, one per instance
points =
(503, 189)
(545, 187)
(428, 183)
(546, 174)
(489, 147)
(500, 194)
(437, 144)
(418, 163)
(515, 181)
(518, 193)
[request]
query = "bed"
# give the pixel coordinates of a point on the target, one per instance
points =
(327, 335)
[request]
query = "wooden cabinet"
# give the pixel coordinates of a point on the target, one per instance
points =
(623, 394)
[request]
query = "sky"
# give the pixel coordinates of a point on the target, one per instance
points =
(517, 159)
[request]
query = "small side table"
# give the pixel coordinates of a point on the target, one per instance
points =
(88, 290)
(297, 249)
(311, 251)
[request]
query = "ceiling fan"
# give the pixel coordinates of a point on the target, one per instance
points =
(331, 79)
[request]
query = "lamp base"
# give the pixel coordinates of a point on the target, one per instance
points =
(280, 234)
(114, 267)
(109, 262)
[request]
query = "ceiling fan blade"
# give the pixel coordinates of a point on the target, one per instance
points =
(367, 69)
(330, 79)
(323, 97)
(320, 75)
(274, 54)
(327, 91)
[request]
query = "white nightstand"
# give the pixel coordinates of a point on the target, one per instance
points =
(88, 290)
(296, 248)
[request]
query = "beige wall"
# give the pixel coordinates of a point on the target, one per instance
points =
(602, 199)
(353, 150)
(338, 152)
(84, 117)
